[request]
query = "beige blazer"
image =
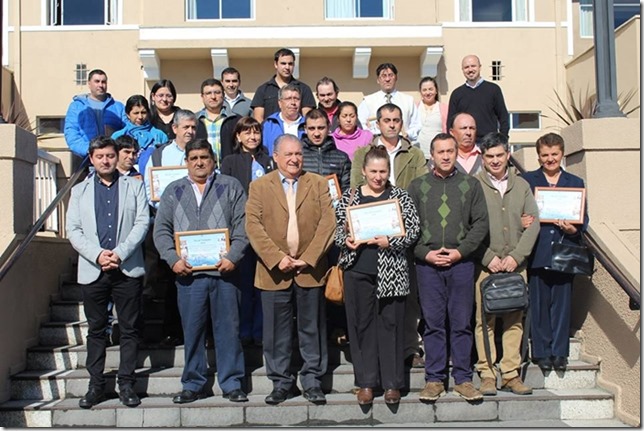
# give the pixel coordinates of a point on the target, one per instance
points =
(267, 221)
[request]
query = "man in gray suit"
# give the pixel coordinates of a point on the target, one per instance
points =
(107, 221)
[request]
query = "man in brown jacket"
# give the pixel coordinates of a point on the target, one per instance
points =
(290, 223)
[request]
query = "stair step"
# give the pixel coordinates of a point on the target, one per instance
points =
(66, 333)
(52, 384)
(72, 311)
(341, 409)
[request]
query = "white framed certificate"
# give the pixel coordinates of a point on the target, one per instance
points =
(367, 221)
(561, 203)
(334, 188)
(202, 249)
(161, 176)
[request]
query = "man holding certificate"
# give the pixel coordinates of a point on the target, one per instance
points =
(205, 201)
(290, 223)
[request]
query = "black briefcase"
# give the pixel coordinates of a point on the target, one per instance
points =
(504, 293)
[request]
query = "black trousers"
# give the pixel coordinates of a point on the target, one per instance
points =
(126, 293)
(376, 333)
(279, 307)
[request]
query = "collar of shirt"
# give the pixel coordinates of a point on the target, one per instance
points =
(393, 151)
(290, 123)
(437, 175)
(393, 94)
(474, 152)
(479, 82)
(285, 183)
(232, 101)
(195, 187)
(115, 176)
(502, 184)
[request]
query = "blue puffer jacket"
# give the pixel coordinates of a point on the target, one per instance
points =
(273, 127)
(145, 135)
(81, 126)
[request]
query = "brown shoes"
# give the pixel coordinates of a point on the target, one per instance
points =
(488, 386)
(432, 391)
(365, 396)
(516, 385)
(392, 396)
(468, 391)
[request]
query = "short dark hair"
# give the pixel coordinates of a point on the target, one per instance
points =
(96, 72)
(494, 139)
(199, 144)
(550, 140)
(243, 124)
(136, 100)
(314, 114)
(442, 137)
(385, 66)
(283, 52)
(431, 79)
(326, 81)
(390, 107)
(100, 142)
(230, 71)
(126, 141)
(210, 82)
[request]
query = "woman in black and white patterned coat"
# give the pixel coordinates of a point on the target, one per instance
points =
(376, 281)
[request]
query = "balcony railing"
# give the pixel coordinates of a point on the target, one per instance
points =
(45, 189)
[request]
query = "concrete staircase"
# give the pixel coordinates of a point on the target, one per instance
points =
(46, 394)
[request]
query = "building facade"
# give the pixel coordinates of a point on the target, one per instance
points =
(524, 45)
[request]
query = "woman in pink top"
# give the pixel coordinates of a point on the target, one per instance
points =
(349, 136)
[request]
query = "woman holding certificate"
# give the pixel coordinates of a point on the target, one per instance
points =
(248, 162)
(550, 291)
(376, 276)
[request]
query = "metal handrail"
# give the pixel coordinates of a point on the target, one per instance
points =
(606, 261)
(16, 249)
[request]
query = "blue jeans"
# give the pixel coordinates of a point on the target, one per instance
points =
(195, 294)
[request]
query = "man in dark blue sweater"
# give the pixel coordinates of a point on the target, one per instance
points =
(482, 99)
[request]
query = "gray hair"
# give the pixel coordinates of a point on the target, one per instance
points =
(285, 137)
(288, 87)
(183, 114)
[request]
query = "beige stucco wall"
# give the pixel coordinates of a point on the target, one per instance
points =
(580, 72)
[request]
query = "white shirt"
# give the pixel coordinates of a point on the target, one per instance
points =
(369, 107)
(290, 128)
(392, 155)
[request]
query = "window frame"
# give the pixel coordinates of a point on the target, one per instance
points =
(112, 11)
(463, 10)
(40, 118)
(191, 9)
(586, 31)
(524, 129)
(387, 12)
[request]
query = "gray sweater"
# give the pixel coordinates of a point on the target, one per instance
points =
(222, 207)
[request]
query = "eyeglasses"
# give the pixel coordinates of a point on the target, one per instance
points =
(213, 93)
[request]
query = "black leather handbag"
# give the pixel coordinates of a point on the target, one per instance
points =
(503, 293)
(572, 258)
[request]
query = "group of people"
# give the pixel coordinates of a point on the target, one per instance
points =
(259, 169)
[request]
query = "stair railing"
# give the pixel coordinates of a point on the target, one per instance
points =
(17, 248)
(602, 257)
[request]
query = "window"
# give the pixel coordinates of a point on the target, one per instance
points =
(493, 10)
(358, 9)
(81, 74)
(219, 9)
(81, 12)
(623, 10)
(525, 121)
(496, 70)
(50, 125)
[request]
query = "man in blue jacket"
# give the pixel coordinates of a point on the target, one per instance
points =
(93, 114)
(287, 120)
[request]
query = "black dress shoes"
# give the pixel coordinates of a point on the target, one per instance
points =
(91, 398)
(559, 363)
(171, 341)
(128, 397)
(187, 396)
(278, 396)
(544, 363)
(236, 396)
(315, 395)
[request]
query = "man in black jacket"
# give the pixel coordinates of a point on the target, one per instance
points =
(320, 153)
